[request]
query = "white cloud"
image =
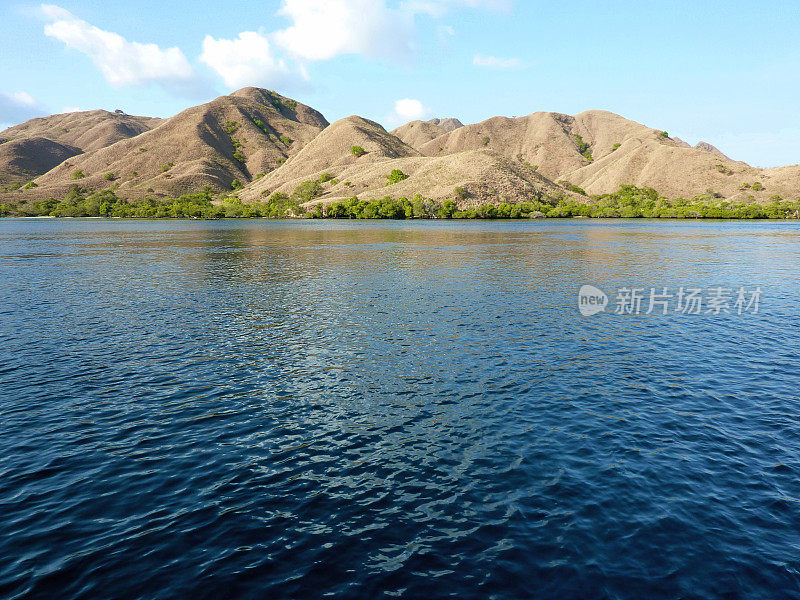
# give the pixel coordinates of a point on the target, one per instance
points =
(247, 60)
(121, 62)
(18, 107)
(324, 29)
(497, 63)
(438, 8)
(71, 109)
(410, 109)
(320, 30)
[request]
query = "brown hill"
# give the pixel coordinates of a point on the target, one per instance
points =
(34, 147)
(332, 152)
(24, 159)
(417, 133)
(706, 147)
(599, 151)
(235, 137)
(272, 143)
(482, 175)
(87, 130)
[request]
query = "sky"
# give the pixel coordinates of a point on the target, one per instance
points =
(723, 72)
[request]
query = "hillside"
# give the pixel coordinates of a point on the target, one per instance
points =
(87, 130)
(418, 133)
(482, 175)
(256, 143)
(34, 147)
(599, 151)
(22, 160)
(332, 152)
(235, 137)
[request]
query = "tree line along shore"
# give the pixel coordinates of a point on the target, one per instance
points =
(629, 202)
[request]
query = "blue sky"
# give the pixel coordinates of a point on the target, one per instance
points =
(724, 72)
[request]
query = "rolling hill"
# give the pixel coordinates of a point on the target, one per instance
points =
(34, 147)
(255, 142)
(418, 133)
(235, 137)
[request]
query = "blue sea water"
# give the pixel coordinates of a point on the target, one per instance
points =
(256, 409)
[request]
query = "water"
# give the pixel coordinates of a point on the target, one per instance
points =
(416, 410)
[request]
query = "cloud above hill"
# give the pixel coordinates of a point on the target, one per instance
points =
(494, 62)
(248, 60)
(19, 106)
(121, 62)
(317, 31)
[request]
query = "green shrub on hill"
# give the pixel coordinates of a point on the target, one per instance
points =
(396, 176)
(308, 190)
(584, 149)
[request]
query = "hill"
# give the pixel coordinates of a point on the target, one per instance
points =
(348, 145)
(599, 151)
(418, 133)
(256, 142)
(34, 147)
(87, 130)
(328, 160)
(235, 137)
(22, 160)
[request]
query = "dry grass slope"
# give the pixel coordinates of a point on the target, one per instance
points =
(270, 143)
(24, 159)
(418, 133)
(235, 137)
(87, 130)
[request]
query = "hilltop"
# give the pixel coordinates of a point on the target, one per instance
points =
(36, 146)
(257, 143)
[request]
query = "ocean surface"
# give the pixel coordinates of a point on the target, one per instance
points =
(328, 409)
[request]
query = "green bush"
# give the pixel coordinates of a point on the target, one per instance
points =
(109, 177)
(757, 186)
(79, 174)
(30, 185)
(723, 169)
(616, 146)
(576, 189)
(460, 193)
(584, 149)
(627, 202)
(236, 184)
(396, 176)
(325, 177)
(287, 141)
(664, 134)
(308, 190)
(357, 151)
(167, 166)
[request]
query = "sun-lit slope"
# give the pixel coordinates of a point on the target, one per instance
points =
(332, 151)
(87, 130)
(234, 137)
(418, 133)
(482, 176)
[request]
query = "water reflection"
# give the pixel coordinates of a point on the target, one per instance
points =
(294, 409)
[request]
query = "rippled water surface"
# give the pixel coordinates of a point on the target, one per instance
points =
(416, 410)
